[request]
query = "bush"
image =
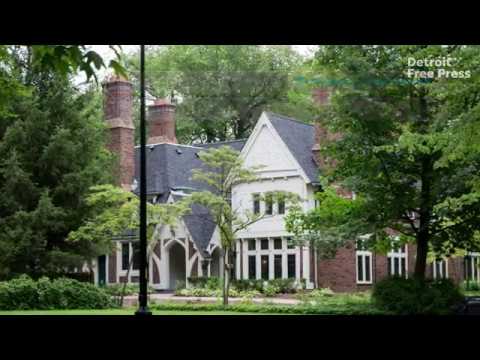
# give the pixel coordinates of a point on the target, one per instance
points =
(471, 286)
(204, 292)
(411, 296)
(130, 289)
(248, 284)
(270, 289)
(19, 294)
(359, 309)
(285, 286)
(23, 293)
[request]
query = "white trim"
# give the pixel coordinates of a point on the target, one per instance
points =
(264, 121)
(473, 265)
(364, 254)
(270, 252)
(440, 275)
(398, 254)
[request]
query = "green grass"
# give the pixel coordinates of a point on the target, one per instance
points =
(313, 303)
(117, 312)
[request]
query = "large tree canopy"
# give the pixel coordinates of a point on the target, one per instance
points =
(405, 149)
(221, 90)
(52, 146)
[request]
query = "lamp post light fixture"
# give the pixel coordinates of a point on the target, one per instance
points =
(142, 295)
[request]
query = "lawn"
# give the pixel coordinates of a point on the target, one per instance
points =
(120, 312)
(314, 303)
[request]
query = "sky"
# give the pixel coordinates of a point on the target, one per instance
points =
(108, 54)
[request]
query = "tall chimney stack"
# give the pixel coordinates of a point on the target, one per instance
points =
(161, 118)
(118, 100)
(321, 96)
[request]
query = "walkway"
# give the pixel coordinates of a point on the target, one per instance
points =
(169, 297)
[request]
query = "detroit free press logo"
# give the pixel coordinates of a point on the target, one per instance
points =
(436, 68)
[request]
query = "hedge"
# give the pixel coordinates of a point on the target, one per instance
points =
(24, 293)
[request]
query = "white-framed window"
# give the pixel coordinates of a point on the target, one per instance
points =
(363, 263)
(397, 261)
(472, 271)
(270, 258)
(440, 269)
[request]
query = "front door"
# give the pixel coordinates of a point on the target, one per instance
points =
(102, 270)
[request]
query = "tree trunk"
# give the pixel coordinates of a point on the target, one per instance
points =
(421, 259)
(226, 278)
(130, 264)
(425, 211)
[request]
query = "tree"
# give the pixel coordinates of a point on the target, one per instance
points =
(221, 90)
(223, 169)
(52, 146)
(400, 150)
(113, 212)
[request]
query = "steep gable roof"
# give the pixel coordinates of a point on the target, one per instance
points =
(169, 165)
(169, 168)
(200, 225)
(299, 138)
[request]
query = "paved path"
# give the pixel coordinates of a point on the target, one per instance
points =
(164, 297)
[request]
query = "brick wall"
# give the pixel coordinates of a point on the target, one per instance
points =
(339, 273)
(121, 144)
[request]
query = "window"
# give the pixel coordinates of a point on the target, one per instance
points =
(252, 244)
(252, 267)
(125, 255)
(364, 264)
(277, 266)
(291, 265)
(277, 244)
(136, 255)
(281, 206)
(290, 244)
(256, 203)
(472, 263)
(440, 269)
(264, 266)
(269, 204)
(263, 244)
(397, 261)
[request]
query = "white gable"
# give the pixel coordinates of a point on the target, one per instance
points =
(266, 148)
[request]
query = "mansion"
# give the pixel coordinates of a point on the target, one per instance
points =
(289, 153)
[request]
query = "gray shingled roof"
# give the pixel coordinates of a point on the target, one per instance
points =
(299, 138)
(169, 168)
(234, 144)
(200, 224)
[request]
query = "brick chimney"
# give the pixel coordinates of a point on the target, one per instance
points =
(161, 118)
(321, 96)
(118, 100)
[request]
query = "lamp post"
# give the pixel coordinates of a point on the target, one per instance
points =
(142, 295)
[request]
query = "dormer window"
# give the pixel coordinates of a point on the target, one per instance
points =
(281, 206)
(256, 203)
(269, 204)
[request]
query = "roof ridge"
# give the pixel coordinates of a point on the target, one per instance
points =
(184, 145)
(283, 117)
(220, 142)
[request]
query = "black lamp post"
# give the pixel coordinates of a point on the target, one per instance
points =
(142, 295)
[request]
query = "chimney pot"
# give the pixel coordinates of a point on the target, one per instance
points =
(162, 122)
